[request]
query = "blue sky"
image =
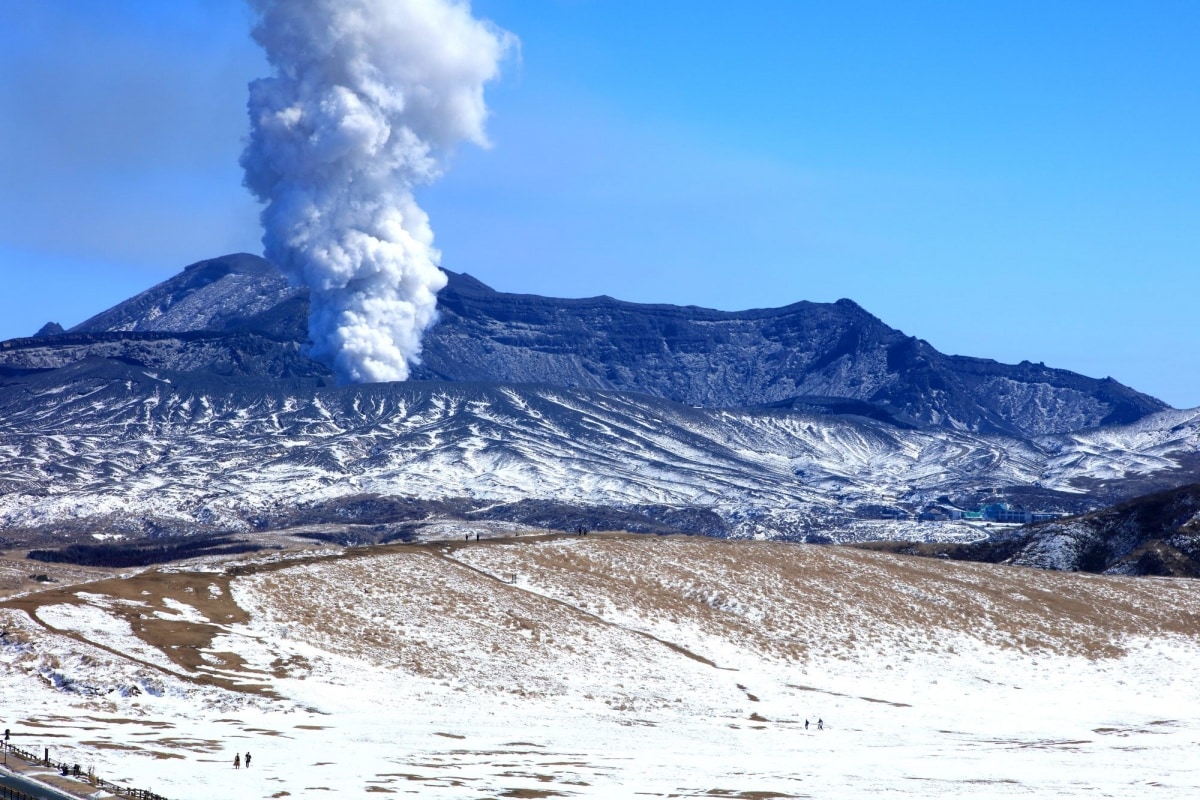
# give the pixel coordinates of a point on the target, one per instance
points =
(1010, 180)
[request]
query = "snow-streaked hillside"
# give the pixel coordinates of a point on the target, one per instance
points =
(1123, 451)
(598, 666)
(120, 448)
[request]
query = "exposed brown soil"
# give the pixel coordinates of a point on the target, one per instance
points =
(147, 592)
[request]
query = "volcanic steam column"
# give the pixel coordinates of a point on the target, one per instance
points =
(364, 100)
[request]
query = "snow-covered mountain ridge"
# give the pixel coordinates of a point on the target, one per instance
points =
(810, 355)
(193, 407)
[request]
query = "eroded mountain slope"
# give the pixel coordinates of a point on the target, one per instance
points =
(106, 445)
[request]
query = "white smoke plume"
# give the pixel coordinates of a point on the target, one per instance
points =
(365, 99)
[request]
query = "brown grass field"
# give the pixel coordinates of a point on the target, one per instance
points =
(636, 631)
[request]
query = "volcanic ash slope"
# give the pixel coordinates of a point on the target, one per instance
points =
(613, 666)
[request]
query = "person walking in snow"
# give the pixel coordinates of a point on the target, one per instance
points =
(247, 759)
(237, 760)
(820, 724)
(805, 724)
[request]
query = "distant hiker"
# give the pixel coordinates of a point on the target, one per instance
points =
(466, 537)
(237, 760)
(820, 724)
(247, 759)
(477, 537)
(805, 724)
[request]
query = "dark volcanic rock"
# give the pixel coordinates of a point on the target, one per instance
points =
(806, 355)
(207, 354)
(237, 315)
(49, 329)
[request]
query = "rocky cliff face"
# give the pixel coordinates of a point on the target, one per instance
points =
(799, 354)
(238, 315)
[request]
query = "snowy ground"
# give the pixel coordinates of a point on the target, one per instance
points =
(612, 667)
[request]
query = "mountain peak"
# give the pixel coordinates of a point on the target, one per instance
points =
(696, 356)
(464, 282)
(217, 294)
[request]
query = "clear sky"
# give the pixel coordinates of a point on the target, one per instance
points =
(1010, 180)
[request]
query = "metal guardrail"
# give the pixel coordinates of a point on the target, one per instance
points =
(14, 794)
(71, 771)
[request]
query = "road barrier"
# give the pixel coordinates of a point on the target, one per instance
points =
(12, 794)
(72, 771)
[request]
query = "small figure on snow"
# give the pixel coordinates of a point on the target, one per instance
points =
(820, 724)
(237, 760)
(247, 759)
